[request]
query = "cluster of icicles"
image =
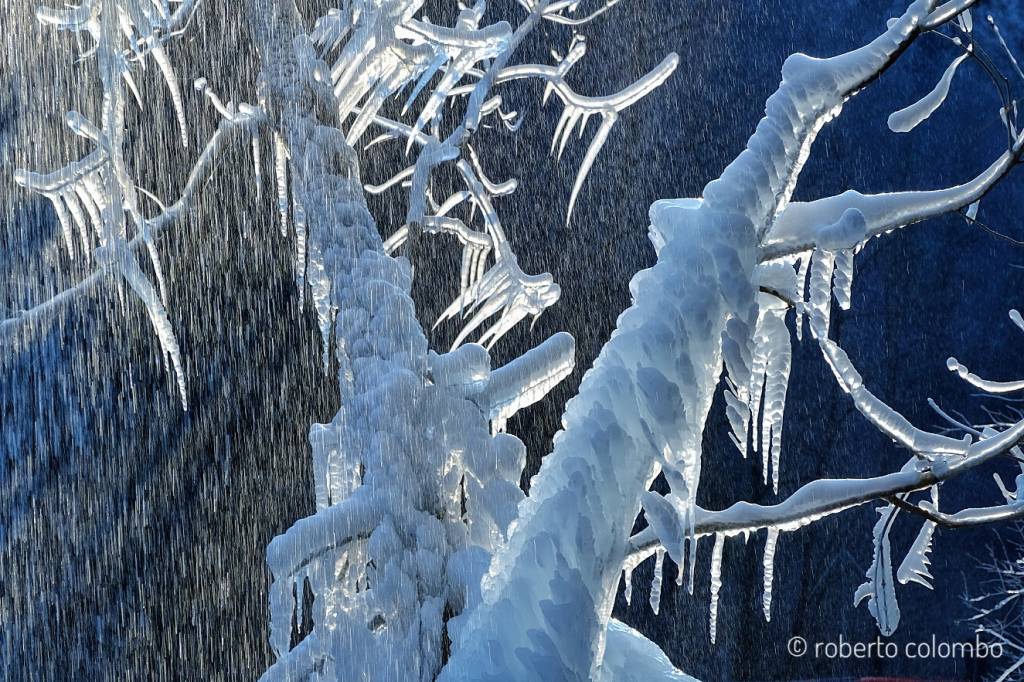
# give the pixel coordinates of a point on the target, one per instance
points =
(812, 281)
(716, 577)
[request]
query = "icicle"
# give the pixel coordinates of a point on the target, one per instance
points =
(300, 595)
(966, 21)
(759, 363)
(780, 362)
(801, 287)
(299, 218)
(70, 198)
(716, 583)
(691, 545)
(154, 259)
(914, 567)
(281, 174)
(659, 563)
(879, 588)
(628, 566)
(320, 289)
(822, 266)
(65, 222)
(607, 122)
(842, 279)
(769, 572)
(123, 259)
(164, 64)
(257, 166)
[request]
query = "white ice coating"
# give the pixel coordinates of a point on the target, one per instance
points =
(883, 417)
(915, 565)
(773, 359)
(988, 385)
(820, 283)
(119, 258)
(97, 195)
(799, 227)
(502, 290)
(413, 492)
(716, 585)
(769, 572)
(631, 657)
(644, 401)
(378, 48)
(579, 109)
(880, 589)
(643, 404)
(281, 180)
(528, 378)
(77, 194)
(906, 119)
(389, 495)
(658, 580)
(842, 278)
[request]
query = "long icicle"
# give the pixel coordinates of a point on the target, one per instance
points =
(769, 572)
(716, 583)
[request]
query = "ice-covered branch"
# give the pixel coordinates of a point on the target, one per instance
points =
(61, 180)
(884, 418)
(578, 109)
(528, 378)
(824, 497)
(802, 226)
(988, 385)
(556, 12)
(329, 529)
(947, 11)
(965, 518)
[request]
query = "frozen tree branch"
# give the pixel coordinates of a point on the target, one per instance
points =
(54, 182)
(825, 497)
(802, 225)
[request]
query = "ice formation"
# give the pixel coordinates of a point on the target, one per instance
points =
(905, 120)
(97, 195)
(769, 571)
(422, 544)
(416, 485)
(640, 412)
(880, 589)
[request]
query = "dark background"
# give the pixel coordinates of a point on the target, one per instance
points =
(132, 534)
